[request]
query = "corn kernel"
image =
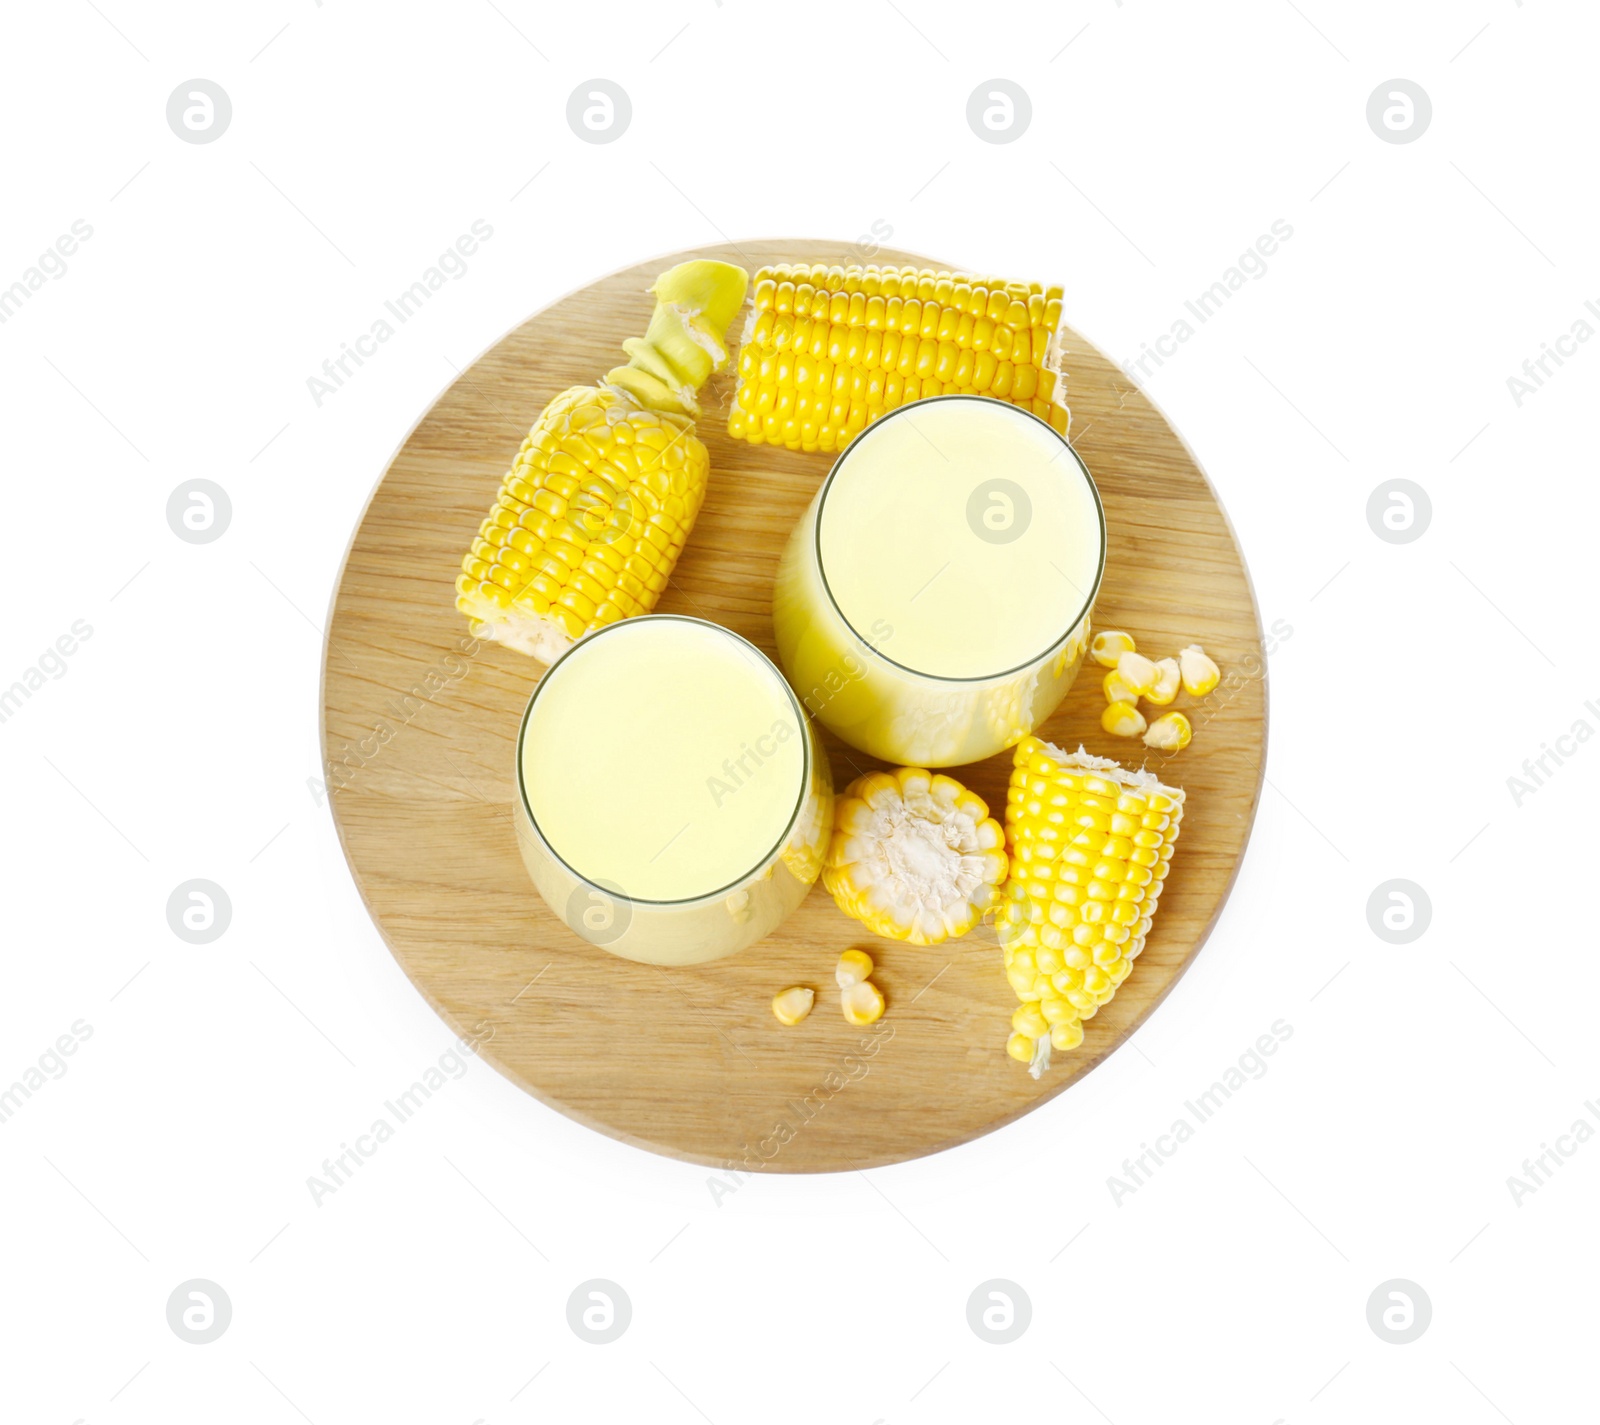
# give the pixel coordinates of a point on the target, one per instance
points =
(1200, 674)
(1122, 720)
(1055, 1009)
(854, 967)
(1109, 646)
(1116, 690)
(862, 1003)
(1137, 672)
(1030, 1019)
(1066, 1035)
(793, 1004)
(1169, 733)
(1020, 1048)
(1167, 679)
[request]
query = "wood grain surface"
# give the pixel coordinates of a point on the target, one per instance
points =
(419, 726)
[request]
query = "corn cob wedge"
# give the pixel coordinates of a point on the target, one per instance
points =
(594, 512)
(828, 349)
(1090, 845)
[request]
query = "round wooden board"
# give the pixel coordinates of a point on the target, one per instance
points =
(419, 739)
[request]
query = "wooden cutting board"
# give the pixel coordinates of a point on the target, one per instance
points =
(419, 727)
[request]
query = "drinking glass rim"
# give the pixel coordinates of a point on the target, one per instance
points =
(1089, 598)
(794, 816)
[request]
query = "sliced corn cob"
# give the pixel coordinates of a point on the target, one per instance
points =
(593, 514)
(828, 349)
(915, 856)
(1090, 843)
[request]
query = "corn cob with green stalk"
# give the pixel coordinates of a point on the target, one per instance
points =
(593, 514)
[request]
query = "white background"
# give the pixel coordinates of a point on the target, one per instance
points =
(1166, 137)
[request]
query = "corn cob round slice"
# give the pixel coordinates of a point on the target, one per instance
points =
(1090, 843)
(590, 520)
(826, 350)
(915, 855)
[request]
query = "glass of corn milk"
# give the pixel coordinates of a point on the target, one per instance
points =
(673, 804)
(932, 605)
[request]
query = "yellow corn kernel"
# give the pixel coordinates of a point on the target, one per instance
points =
(793, 1004)
(1169, 733)
(1122, 720)
(1116, 690)
(1109, 645)
(1067, 1035)
(1029, 1019)
(607, 470)
(1167, 680)
(1200, 674)
(1138, 672)
(1052, 789)
(915, 856)
(854, 966)
(893, 335)
(862, 1003)
(1055, 1008)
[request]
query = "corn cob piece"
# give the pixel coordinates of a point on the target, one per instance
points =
(1090, 844)
(915, 856)
(594, 512)
(828, 349)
